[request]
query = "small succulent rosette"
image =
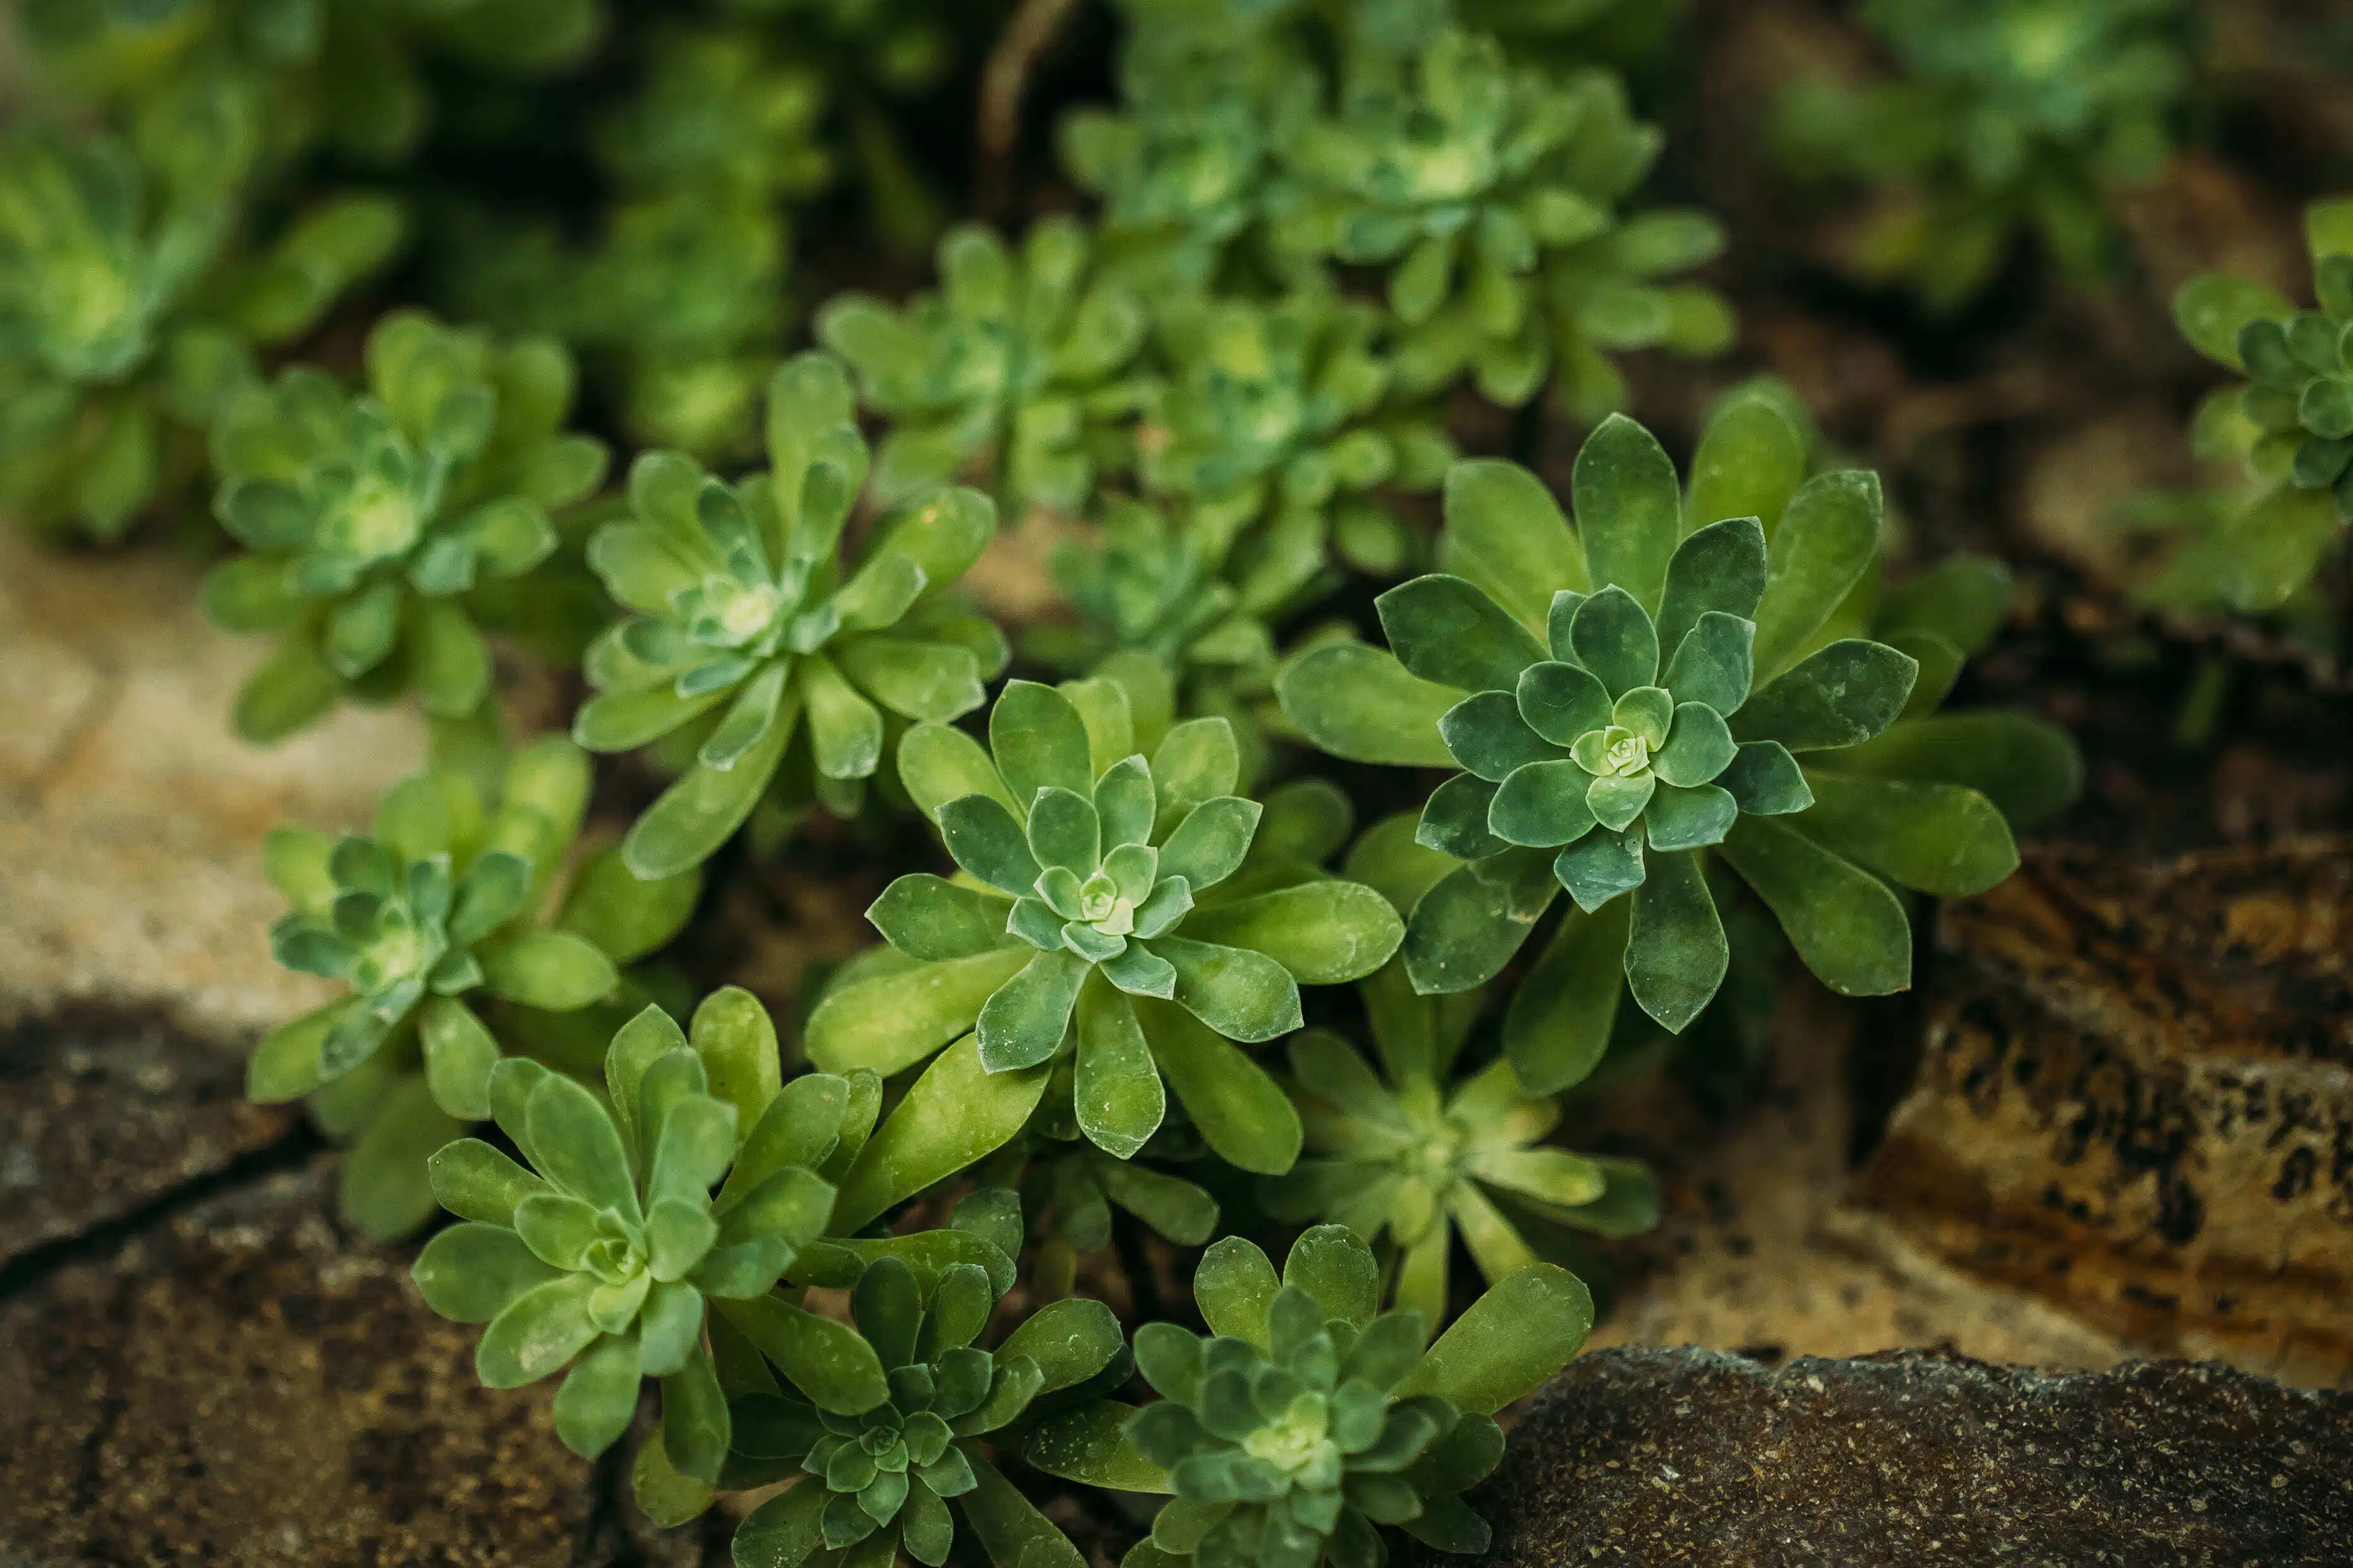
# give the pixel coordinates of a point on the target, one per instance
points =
(368, 517)
(1310, 1417)
(2009, 116)
(881, 1427)
(2290, 424)
(438, 916)
(721, 111)
(1121, 908)
(1020, 372)
(1411, 1150)
(131, 303)
(1272, 433)
(697, 1176)
(1488, 192)
(760, 652)
(1629, 701)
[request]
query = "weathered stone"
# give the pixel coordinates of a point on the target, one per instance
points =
(131, 818)
(103, 1113)
(245, 1383)
(1755, 1252)
(2136, 1102)
(1703, 1460)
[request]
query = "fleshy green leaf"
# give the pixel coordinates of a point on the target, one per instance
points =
(955, 1113)
(1629, 508)
(1845, 923)
(1676, 955)
(1504, 531)
(1840, 695)
(1448, 632)
(1242, 1113)
(1511, 1340)
(1828, 539)
(1360, 703)
(1559, 1021)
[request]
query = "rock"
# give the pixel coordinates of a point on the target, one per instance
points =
(102, 1113)
(245, 1383)
(130, 818)
(1756, 1253)
(1699, 1459)
(2135, 1101)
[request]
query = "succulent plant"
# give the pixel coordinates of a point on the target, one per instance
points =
(131, 308)
(1310, 1417)
(880, 1429)
(444, 910)
(1629, 699)
(1418, 1150)
(1022, 363)
(603, 1253)
(2011, 114)
(1487, 191)
(2290, 425)
(369, 516)
(718, 111)
(1121, 920)
(745, 616)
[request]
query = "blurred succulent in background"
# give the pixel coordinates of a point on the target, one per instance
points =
(603, 1254)
(879, 1429)
(1420, 1151)
(444, 910)
(1629, 700)
(368, 517)
(1017, 373)
(131, 303)
(2289, 424)
(2011, 115)
(747, 624)
(1121, 920)
(1310, 1417)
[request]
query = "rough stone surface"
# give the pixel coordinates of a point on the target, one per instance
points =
(102, 1113)
(1756, 1252)
(2136, 1102)
(131, 818)
(243, 1385)
(1705, 1460)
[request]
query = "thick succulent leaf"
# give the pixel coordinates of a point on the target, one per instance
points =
(695, 1426)
(1023, 1024)
(285, 1065)
(599, 1397)
(1332, 1263)
(1829, 537)
(1010, 1528)
(2212, 310)
(1323, 932)
(575, 1146)
(1115, 1090)
(1454, 821)
(955, 1113)
(1504, 532)
(1208, 844)
(1089, 1445)
(1197, 761)
(1750, 461)
(1360, 703)
(1486, 733)
(1693, 818)
(932, 918)
(1941, 839)
(1676, 955)
(784, 1531)
(938, 763)
(830, 1363)
(1449, 633)
(1629, 508)
(469, 1273)
(1511, 1340)
(1721, 568)
(1070, 1340)
(551, 970)
(1234, 1286)
(989, 842)
(1601, 866)
(1038, 741)
(698, 814)
(2026, 766)
(1715, 663)
(1243, 995)
(1612, 636)
(1242, 1113)
(1845, 923)
(1065, 831)
(892, 1021)
(935, 681)
(1561, 1013)
(1840, 695)
(537, 1333)
(1465, 928)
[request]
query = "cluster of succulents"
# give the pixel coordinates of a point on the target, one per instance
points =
(2009, 116)
(1048, 592)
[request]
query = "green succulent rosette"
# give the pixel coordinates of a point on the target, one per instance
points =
(368, 517)
(1629, 701)
(1488, 192)
(880, 1426)
(1310, 1417)
(756, 639)
(2009, 116)
(2289, 424)
(696, 1178)
(1273, 430)
(1111, 913)
(1023, 366)
(132, 302)
(449, 910)
(1410, 1151)
(718, 111)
